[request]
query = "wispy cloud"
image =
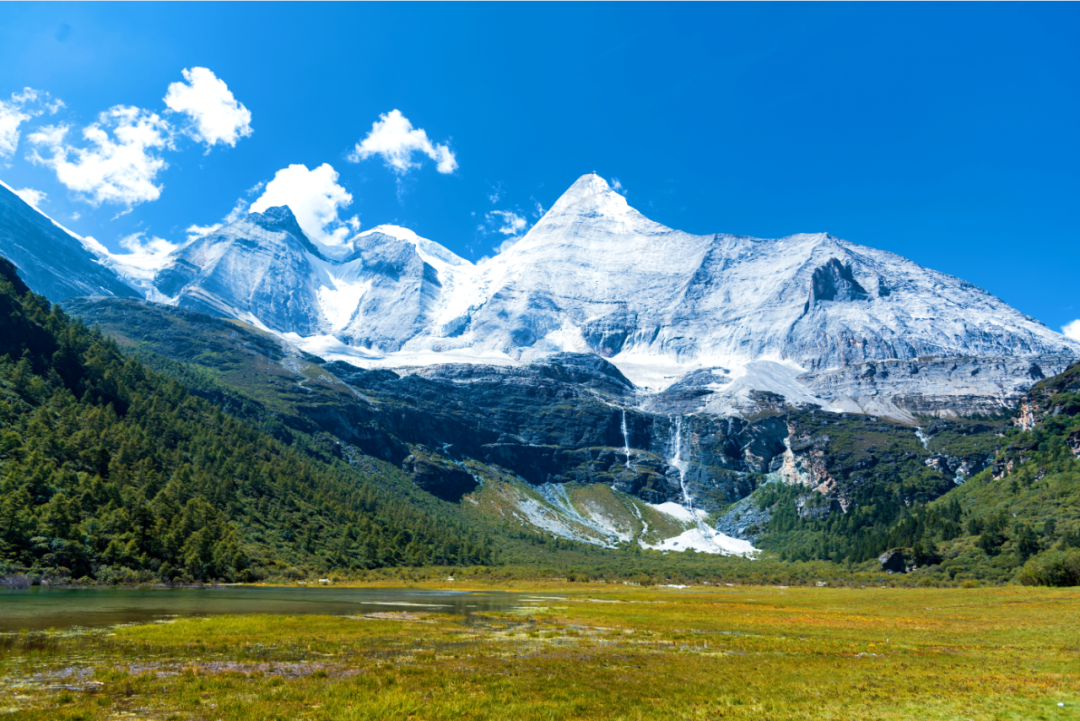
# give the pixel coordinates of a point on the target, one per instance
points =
(216, 115)
(21, 107)
(512, 225)
(394, 139)
(194, 232)
(507, 222)
(1072, 330)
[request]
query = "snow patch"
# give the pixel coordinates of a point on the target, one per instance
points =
(706, 540)
(340, 300)
(677, 510)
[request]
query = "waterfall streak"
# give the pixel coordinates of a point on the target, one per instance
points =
(679, 463)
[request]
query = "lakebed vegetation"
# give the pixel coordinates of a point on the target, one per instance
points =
(576, 651)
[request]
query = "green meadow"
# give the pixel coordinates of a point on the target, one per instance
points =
(576, 651)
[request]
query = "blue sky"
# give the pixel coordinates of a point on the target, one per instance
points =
(943, 132)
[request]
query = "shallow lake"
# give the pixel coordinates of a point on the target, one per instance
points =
(39, 607)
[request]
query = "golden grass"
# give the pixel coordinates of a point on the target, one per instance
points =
(583, 652)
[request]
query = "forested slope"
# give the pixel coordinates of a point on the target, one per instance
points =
(109, 470)
(1018, 519)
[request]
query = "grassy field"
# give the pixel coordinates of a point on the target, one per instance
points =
(582, 652)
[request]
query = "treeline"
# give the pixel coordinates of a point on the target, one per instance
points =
(111, 471)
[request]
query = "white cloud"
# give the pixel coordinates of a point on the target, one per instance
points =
(509, 223)
(393, 138)
(506, 222)
(315, 199)
(139, 243)
(1072, 330)
(539, 212)
(120, 164)
(216, 115)
(617, 186)
(143, 253)
(506, 244)
(23, 106)
(195, 232)
(32, 197)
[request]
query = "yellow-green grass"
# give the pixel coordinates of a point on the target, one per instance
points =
(582, 652)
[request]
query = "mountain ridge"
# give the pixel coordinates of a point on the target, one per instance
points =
(809, 316)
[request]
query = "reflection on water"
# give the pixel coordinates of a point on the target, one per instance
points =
(41, 607)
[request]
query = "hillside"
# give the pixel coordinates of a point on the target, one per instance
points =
(1018, 518)
(447, 447)
(560, 448)
(111, 471)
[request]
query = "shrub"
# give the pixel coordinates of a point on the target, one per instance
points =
(1053, 568)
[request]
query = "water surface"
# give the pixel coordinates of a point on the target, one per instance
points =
(40, 607)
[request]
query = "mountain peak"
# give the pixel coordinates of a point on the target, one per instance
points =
(590, 195)
(431, 252)
(280, 219)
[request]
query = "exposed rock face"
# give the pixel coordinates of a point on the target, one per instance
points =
(893, 561)
(803, 461)
(568, 418)
(834, 282)
(51, 260)
(440, 478)
(959, 468)
(933, 386)
(745, 519)
(1042, 401)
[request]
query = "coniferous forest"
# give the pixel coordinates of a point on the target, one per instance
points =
(111, 471)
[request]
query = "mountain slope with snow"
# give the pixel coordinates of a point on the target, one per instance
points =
(51, 259)
(377, 292)
(714, 318)
(806, 316)
(594, 275)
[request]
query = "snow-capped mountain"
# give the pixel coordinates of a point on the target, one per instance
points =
(378, 292)
(51, 259)
(261, 268)
(595, 275)
(702, 321)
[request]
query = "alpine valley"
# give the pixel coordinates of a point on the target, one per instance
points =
(603, 382)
